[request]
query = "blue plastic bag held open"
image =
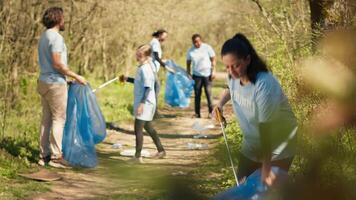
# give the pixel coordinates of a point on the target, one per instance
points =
(252, 188)
(85, 126)
(179, 87)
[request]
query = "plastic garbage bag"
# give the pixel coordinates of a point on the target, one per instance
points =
(194, 146)
(116, 146)
(84, 127)
(179, 87)
(202, 127)
(199, 136)
(252, 188)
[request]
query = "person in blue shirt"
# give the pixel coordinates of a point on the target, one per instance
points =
(52, 87)
(145, 102)
(265, 117)
(201, 57)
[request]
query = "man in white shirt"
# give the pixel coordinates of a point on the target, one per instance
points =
(201, 57)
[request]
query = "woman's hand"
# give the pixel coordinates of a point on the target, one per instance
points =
(122, 78)
(189, 76)
(267, 175)
(218, 115)
(218, 110)
(215, 113)
(140, 109)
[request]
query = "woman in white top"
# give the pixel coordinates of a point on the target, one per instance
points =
(265, 117)
(144, 101)
(159, 37)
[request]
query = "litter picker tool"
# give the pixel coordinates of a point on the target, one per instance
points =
(105, 84)
(222, 122)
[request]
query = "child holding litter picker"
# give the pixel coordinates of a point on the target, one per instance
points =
(144, 101)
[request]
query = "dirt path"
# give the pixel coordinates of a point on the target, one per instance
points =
(114, 178)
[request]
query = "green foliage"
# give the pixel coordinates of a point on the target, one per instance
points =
(234, 136)
(284, 53)
(102, 37)
(116, 101)
(234, 139)
(12, 186)
(22, 148)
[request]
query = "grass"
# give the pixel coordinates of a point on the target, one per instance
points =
(19, 143)
(11, 185)
(19, 148)
(151, 182)
(115, 100)
(19, 140)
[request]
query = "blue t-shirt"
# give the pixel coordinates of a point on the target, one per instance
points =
(145, 77)
(156, 47)
(200, 59)
(261, 102)
(49, 43)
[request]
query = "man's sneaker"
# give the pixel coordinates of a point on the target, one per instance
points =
(59, 163)
(44, 161)
(160, 155)
(135, 160)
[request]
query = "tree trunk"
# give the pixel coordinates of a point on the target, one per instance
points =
(103, 51)
(317, 20)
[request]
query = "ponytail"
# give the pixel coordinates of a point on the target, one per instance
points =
(158, 32)
(241, 47)
(246, 42)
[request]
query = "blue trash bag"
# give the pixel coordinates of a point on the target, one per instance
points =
(85, 126)
(252, 188)
(179, 87)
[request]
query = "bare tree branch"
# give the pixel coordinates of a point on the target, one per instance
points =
(268, 18)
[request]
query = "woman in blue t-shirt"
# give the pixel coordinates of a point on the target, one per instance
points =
(265, 117)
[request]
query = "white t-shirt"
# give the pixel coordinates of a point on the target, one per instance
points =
(145, 77)
(156, 47)
(200, 59)
(262, 102)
